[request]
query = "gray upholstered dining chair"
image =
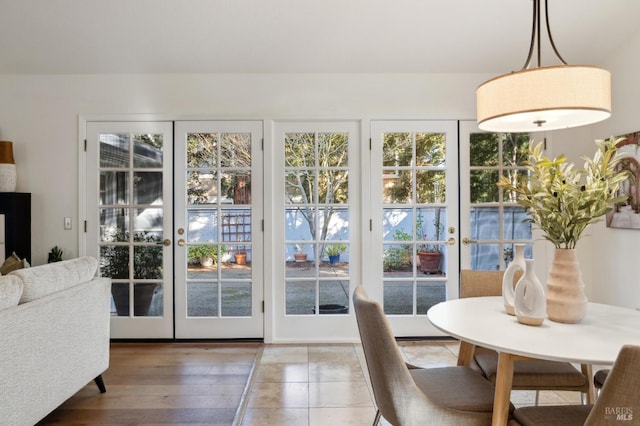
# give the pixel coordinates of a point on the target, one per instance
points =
(527, 375)
(617, 403)
(406, 395)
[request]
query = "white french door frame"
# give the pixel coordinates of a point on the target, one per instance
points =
(280, 327)
(274, 324)
(413, 325)
(223, 327)
(124, 326)
(540, 251)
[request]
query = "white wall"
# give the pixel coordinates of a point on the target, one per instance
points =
(609, 256)
(615, 266)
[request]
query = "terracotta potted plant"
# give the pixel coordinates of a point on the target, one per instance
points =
(300, 255)
(430, 255)
(240, 256)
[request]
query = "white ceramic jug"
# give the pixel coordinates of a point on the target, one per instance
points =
(530, 302)
(508, 286)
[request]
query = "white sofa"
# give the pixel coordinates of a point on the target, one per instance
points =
(53, 341)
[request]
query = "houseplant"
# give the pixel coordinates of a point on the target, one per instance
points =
(562, 201)
(334, 251)
(55, 255)
(430, 255)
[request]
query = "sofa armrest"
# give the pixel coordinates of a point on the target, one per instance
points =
(52, 347)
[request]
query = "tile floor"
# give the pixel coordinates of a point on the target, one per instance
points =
(317, 385)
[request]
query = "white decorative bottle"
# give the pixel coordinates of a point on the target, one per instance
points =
(530, 302)
(508, 283)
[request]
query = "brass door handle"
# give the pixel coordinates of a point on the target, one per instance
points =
(166, 242)
(466, 241)
(182, 242)
(451, 241)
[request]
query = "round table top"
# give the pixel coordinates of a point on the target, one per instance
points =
(483, 321)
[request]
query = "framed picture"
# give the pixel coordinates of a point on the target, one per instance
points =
(627, 214)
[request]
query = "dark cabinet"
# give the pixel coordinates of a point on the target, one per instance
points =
(16, 208)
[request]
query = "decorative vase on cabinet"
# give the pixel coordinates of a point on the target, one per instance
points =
(529, 300)
(508, 285)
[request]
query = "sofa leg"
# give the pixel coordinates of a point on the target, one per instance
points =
(100, 384)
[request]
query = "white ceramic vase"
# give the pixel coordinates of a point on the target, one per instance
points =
(529, 297)
(8, 178)
(508, 283)
(566, 300)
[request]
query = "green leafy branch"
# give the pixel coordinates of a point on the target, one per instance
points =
(562, 200)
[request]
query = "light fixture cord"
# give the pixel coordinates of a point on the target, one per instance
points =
(535, 31)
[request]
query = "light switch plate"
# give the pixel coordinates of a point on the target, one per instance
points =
(67, 223)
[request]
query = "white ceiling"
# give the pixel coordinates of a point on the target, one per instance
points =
(301, 36)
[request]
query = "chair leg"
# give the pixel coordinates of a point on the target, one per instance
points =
(537, 396)
(377, 419)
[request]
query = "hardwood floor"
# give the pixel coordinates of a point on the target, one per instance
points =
(165, 383)
(247, 384)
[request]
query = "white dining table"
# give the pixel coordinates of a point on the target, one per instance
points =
(483, 321)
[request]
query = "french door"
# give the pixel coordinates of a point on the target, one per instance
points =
(314, 251)
(151, 206)
(491, 221)
(129, 194)
(414, 209)
(218, 229)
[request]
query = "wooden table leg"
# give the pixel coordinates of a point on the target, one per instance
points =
(502, 397)
(588, 372)
(465, 353)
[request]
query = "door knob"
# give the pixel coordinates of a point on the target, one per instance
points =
(182, 242)
(451, 241)
(166, 242)
(466, 241)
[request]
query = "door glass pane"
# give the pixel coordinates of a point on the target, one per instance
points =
(483, 186)
(414, 214)
(496, 221)
(114, 150)
(131, 250)
(202, 187)
(147, 188)
(148, 151)
(316, 185)
(202, 299)
(114, 187)
(202, 150)
(219, 229)
(114, 224)
(236, 299)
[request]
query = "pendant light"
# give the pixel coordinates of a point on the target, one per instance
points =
(544, 98)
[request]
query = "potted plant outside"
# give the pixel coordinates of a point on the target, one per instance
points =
(240, 256)
(114, 263)
(430, 255)
(334, 251)
(207, 255)
(563, 201)
(300, 256)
